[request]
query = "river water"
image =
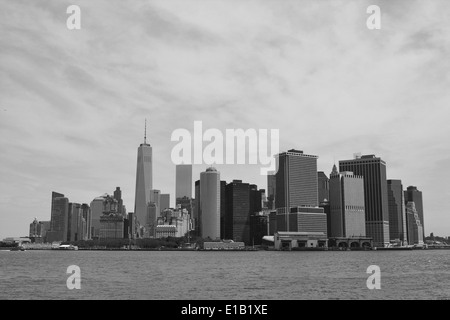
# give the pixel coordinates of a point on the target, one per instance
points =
(268, 275)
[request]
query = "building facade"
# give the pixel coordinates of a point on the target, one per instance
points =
(373, 170)
(414, 195)
(183, 181)
(296, 180)
(347, 208)
(209, 214)
(144, 180)
(397, 211)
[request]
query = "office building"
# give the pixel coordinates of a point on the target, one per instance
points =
(59, 218)
(144, 180)
(209, 213)
(296, 180)
(415, 231)
(112, 226)
(155, 197)
(237, 217)
(302, 219)
(271, 187)
(373, 171)
(414, 195)
(323, 185)
(151, 220)
(196, 215)
(165, 201)
(347, 210)
(397, 211)
(183, 177)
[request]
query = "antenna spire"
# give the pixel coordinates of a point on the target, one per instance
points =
(145, 132)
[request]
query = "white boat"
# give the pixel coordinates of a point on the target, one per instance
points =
(67, 247)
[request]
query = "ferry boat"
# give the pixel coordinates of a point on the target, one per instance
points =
(67, 247)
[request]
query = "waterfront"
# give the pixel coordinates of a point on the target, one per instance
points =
(417, 274)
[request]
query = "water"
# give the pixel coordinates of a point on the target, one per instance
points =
(417, 274)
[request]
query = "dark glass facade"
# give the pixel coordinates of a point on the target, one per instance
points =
(373, 170)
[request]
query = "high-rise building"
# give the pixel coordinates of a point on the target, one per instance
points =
(196, 216)
(210, 203)
(415, 231)
(373, 170)
(237, 218)
(414, 195)
(155, 197)
(296, 180)
(151, 220)
(271, 188)
(118, 197)
(347, 210)
(86, 211)
(59, 218)
(96, 214)
(397, 211)
(183, 177)
(223, 209)
(165, 201)
(323, 186)
(112, 226)
(75, 225)
(144, 180)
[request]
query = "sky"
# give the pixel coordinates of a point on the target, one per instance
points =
(73, 102)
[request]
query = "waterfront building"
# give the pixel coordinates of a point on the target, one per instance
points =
(397, 211)
(144, 179)
(112, 226)
(373, 171)
(296, 180)
(59, 218)
(415, 195)
(209, 213)
(347, 209)
(415, 231)
(302, 219)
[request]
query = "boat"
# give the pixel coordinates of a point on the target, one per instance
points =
(67, 247)
(18, 248)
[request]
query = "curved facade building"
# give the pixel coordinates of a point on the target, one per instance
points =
(209, 213)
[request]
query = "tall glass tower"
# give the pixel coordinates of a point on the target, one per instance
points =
(373, 170)
(144, 180)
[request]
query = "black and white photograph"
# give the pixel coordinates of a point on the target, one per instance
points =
(221, 156)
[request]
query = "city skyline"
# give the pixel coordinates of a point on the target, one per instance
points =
(72, 112)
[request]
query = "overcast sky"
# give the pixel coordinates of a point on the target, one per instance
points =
(73, 102)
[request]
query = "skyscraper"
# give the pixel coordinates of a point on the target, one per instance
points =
(196, 216)
(397, 211)
(165, 201)
(183, 177)
(144, 180)
(414, 195)
(415, 230)
(296, 180)
(210, 203)
(271, 188)
(373, 170)
(323, 187)
(59, 218)
(237, 217)
(347, 212)
(118, 197)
